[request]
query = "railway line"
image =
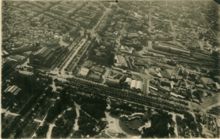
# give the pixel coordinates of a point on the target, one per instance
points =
(158, 102)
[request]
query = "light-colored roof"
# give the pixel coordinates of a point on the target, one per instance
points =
(139, 85)
(84, 71)
(206, 80)
(128, 80)
(133, 84)
(218, 122)
(13, 89)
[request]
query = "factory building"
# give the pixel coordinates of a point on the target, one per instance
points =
(39, 57)
(12, 90)
(120, 61)
(135, 84)
(16, 58)
(112, 82)
(47, 56)
(84, 72)
(139, 85)
(128, 81)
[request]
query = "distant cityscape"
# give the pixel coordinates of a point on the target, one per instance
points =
(110, 69)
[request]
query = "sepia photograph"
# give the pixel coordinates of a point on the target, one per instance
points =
(110, 69)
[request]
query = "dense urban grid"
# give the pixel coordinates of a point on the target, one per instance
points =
(110, 69)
